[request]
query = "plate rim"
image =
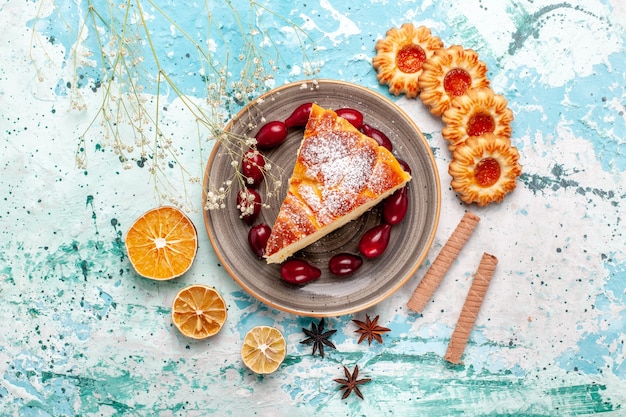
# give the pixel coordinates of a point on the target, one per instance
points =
(335, 312)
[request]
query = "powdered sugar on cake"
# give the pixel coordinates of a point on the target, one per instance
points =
(339, 174)
(340, 167)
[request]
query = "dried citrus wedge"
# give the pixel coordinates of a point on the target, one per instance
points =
(198, 311)
(162, 243)
(264, 349)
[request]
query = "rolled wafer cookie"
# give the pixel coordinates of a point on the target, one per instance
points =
(471, 307)
(442, 262)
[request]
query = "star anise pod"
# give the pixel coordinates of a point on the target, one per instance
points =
(351, 383)
(318, 337)
(370, 330)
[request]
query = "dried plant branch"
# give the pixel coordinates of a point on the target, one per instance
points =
(115, 42)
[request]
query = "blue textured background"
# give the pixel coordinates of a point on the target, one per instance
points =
(83, 335)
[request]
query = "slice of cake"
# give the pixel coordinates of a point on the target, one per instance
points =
(340, 173)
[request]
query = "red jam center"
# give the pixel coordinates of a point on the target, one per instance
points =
(480, 123)
(487, 172)
(410, 58)
(456, 82)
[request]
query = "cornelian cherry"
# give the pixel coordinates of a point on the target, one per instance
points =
(395, 206)
(300, 116)
(374, 242)
(344, 264)
(405, 166)
(252, 166)
(378, 136)
(355, 117)
(257, 238)
(297, 271)
(249, 204)
(271, 134)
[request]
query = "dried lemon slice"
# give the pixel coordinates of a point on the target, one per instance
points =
(198, 311)
(162, 243)
(264, 349)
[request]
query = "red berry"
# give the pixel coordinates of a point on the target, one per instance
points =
(257, 238)
(271, 134)
(374, 242)
(355, 117)
(249, 204)
(395, 206)
(344, 264)
(300, 116)
(378, 136)
(296, 271)
(405, 166)
(252, 166)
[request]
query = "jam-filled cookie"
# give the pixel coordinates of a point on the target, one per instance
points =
(400, 55)
(476, 112)
(450, 73)
(484, 169)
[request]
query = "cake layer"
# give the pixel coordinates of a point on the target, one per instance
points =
(339, 174)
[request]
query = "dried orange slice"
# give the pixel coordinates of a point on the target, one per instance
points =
(162, 243)
(264, 349)
(198, 311)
